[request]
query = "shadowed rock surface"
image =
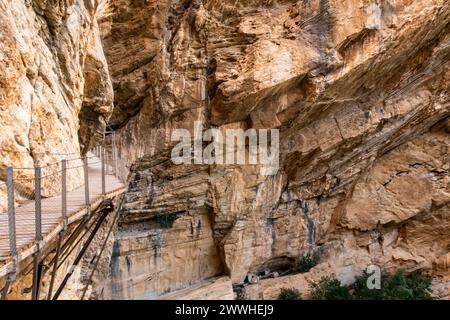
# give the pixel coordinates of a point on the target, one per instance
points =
(359, 91)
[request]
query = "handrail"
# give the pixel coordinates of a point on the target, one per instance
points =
(39, 183)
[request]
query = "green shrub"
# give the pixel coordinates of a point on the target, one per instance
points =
(289, 294)
(402, 287)
(398, 286)
(329, 289)
(305, 263)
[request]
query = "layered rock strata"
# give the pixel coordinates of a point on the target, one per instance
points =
(359, 92)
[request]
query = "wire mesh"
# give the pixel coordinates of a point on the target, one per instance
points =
(51, 186)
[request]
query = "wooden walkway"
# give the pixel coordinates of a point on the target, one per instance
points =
(52, 221)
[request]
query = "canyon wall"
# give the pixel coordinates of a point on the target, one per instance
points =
(55, 89)
(359, 92)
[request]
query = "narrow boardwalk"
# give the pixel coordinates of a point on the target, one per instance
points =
(51, 213)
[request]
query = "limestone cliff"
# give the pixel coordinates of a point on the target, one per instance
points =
(359, 91)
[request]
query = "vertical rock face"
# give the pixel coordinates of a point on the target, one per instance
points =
(55, 89)
(359, 91)
(357, 88)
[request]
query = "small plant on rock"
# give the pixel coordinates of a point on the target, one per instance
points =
(400, 286)
(397, 286)
(329, 289)
(305, 263)
(289, 294)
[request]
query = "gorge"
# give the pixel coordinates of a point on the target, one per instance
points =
(358, 89)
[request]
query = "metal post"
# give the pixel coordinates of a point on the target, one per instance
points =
(119, 167)
(86, 183)
(37, 203)
(34, 292)
(11, 212)
(102, 160)
(64, 192)
(106, 161)
(11, 230)
(5, 290)
(38, 232)
(114, 154)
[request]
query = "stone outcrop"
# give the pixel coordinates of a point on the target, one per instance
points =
(55, 90)
(359, 92)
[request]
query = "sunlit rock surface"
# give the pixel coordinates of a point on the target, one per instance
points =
(55, 89)
(359, 91)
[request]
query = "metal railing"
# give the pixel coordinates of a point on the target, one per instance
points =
(26, 185)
